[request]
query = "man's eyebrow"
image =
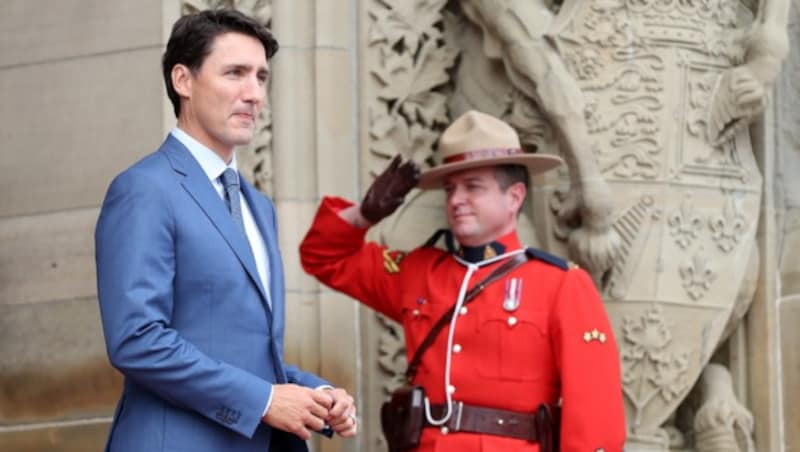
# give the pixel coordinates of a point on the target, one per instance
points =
(263, 70)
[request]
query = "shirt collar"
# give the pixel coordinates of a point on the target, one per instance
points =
(503, 244)
(212, 164)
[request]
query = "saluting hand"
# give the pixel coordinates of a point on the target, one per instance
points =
(389, 189)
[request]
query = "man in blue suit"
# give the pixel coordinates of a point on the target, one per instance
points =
(189, 273)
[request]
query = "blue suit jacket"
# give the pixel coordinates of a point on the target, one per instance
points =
(185, 315)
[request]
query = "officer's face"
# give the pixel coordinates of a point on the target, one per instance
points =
(478, 210)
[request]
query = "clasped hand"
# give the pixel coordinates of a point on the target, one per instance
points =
(300, 410)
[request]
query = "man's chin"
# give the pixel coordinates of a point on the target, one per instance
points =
(463, 235)
(243, 139)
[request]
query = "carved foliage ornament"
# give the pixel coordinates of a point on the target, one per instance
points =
(651, 365)
(409, 73)
(410, 60)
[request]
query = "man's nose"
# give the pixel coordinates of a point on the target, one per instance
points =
(254, 91)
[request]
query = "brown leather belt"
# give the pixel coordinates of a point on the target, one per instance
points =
(490, 421)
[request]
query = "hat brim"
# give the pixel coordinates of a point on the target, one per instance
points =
(536, 163)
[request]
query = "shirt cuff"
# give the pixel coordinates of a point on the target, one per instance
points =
(269, 401)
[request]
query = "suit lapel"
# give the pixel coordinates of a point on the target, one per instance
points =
(264, 215)
(265, 220)
(198, 186)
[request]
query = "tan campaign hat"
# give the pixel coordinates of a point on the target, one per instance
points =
(476, 139)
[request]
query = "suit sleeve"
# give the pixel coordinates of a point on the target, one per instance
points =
(134, 245)
(591, 389)
(334, 251)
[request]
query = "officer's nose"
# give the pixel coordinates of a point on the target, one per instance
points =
(455, 196)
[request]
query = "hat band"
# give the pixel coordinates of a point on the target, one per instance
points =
(481, 154)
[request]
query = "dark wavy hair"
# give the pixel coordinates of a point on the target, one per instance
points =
(193, 35)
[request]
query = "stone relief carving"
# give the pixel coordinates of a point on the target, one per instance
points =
(722, 423)
(512, 36)
(634, 226)
(728, 228)
(685, 224)
(648, 101)
(407, 43)
(391, 355)
(660, 93)
(697, 276)
(408, 86)
(653, 364)
(254, 160)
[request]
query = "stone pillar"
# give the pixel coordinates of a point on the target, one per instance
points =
(784, 124)
(774, 362)
(315, 137)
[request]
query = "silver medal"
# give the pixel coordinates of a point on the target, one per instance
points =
(513, 294)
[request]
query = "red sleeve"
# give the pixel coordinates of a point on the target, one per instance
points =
(593, 415)
(334, 252)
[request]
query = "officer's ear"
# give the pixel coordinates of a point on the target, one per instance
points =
(516, 193)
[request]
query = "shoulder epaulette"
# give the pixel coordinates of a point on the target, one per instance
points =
(555, 261)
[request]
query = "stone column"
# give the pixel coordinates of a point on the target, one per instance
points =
(783, 125)
(775, 314)
(315, 153)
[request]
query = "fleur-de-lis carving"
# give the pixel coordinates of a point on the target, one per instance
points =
(697, 276)
(685, 224)
(728, 228)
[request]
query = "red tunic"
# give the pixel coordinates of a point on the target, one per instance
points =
(556, 343)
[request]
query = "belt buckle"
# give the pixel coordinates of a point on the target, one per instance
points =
(459, 409)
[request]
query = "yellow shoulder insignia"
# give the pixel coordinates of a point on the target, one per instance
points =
(573, 265)
(391, 260)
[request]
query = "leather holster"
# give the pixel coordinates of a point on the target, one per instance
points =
(402, 418)
(548, 426)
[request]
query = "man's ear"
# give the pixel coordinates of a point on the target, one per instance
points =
(516, 193)
(182, 79)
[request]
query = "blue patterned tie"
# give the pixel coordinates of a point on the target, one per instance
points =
(231, 182)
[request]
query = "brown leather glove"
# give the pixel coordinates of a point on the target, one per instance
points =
(389, 190)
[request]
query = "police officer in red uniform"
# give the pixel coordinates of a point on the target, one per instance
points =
(537, 335)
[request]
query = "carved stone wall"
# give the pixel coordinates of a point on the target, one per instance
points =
(356, 82)
(686, 204)
(406, 63)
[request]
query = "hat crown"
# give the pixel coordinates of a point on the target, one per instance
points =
(477, 140)
(475, 131)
